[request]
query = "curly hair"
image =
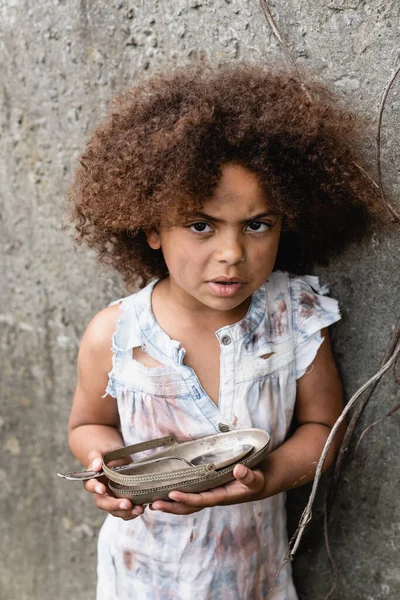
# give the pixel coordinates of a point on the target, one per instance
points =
(161, 148)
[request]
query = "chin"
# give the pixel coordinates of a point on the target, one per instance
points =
(225, 303)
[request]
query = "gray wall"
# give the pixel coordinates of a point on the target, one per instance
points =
(60, 62)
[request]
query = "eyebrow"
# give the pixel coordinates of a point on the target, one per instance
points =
(201, 215)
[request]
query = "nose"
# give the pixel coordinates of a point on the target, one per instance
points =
(230, 249)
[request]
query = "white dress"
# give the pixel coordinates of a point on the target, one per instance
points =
(225, 552)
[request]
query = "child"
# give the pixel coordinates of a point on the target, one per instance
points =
(215, 184)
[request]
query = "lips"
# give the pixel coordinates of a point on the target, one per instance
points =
(225, 280)
(225, 286)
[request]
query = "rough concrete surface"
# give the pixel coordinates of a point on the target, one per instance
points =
(59, 64)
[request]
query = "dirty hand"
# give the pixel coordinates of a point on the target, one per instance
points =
(118, 507)
(248, 486)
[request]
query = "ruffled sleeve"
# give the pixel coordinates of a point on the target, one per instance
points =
(312, 311)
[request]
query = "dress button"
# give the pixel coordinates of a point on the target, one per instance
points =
(223, 427)
(225, 340)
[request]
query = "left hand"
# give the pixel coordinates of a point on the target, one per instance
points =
(247, 486)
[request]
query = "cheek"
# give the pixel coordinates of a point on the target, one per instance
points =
(187, 261)
(264, 256)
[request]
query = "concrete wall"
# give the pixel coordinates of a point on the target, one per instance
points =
(60, 62)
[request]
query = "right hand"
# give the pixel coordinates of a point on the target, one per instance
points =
(118, 507)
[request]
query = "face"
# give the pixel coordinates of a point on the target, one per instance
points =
(218, 256)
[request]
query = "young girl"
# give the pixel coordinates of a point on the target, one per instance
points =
(218, 185)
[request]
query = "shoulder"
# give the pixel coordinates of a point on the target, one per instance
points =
(311, 302)
(95, 350)
(103, 323)
(302, 290)
(297, 303)
(117, 327)
(294, 285)
(313, 310)
(98, 335)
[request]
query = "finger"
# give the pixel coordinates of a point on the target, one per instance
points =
(173, 508)
(95, 486)
(121, 508)
(128, 515)
(109, 503)
(201, 500)
(95, 460)
(246, 482)
(253, 480)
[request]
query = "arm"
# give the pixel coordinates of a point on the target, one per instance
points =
(319, 403)
(94, 421)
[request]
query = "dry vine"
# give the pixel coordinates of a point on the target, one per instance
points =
(393, 351)
(377, 186)
(391, 357)
(395, 215)
(306, 516)
(357, 415)
(388, 414)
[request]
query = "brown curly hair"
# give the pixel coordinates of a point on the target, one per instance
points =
(160, 152)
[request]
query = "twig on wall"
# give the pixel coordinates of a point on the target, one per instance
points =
(283, 45)
(333, 483)
(394, 213)
(391, 356)
(389, 414)
(358, 411)
(330, 556)
(377, 186)
(307, 513)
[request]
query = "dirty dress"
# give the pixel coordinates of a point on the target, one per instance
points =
(224, 552)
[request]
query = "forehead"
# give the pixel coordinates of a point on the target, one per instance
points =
(238, 190)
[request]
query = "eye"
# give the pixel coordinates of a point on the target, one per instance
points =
(200, 227)
(258, 226)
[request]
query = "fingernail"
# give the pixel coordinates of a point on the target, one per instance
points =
(124, 505)
(96, 464)
(98, 489)
(241, 471)
(135, 512)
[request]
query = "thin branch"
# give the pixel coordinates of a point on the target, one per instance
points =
(307, 513)
(378, 145)
(377, 186)
(330, 556)
(275, 30)
(389, 414)
(334, 480)
(367, 176)
(289, 59)
(358, 411)
(392, 355)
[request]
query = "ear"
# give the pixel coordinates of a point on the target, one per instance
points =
(153, 239)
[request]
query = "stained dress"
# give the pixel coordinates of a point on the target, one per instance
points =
(224, 552)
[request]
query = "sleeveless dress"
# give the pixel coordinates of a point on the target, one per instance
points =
(224, 552)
